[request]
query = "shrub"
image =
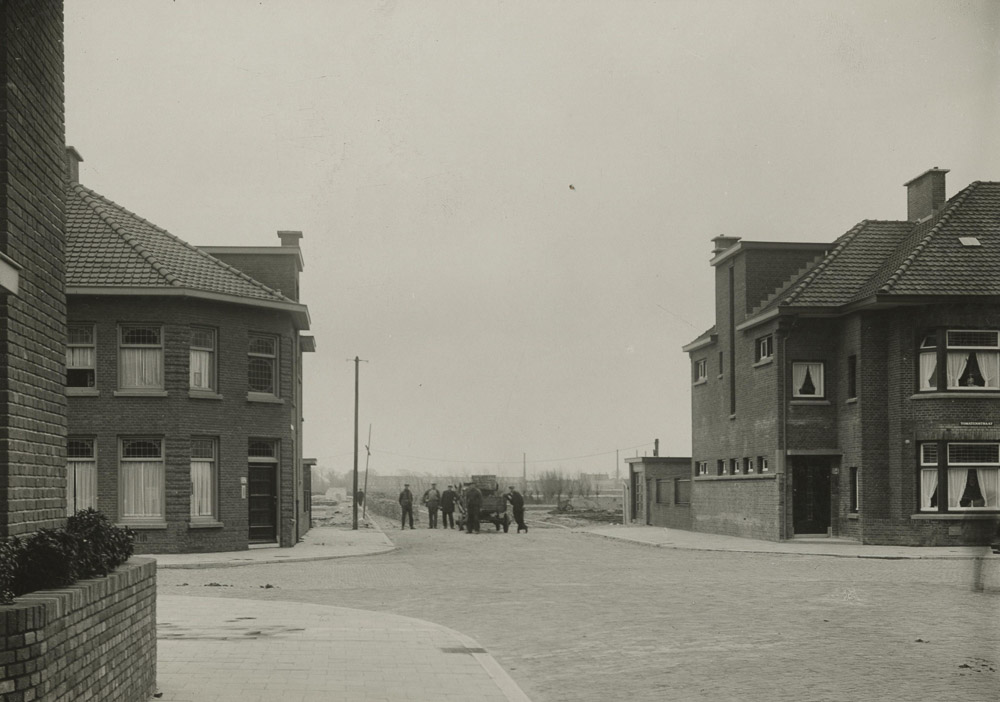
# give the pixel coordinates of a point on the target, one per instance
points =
(90, 546)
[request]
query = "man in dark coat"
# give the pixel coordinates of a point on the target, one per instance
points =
(448, 499)
(473, 503)
(406, 506)
(517, 503)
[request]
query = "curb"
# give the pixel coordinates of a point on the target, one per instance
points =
(787, 553)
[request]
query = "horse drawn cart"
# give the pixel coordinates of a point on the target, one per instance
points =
(493, 508)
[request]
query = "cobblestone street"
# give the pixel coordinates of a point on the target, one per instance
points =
(574, 617)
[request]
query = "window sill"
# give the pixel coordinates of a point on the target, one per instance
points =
(851, 401)
(264, 397)
(205, 525)
(817, 402)
(703, 381)
(749, 476)
(82, 392)
(955, 516)
(139, 393)
(204, 395)
(144, 526)
(956, 394)
(764, 362)
(853, 515)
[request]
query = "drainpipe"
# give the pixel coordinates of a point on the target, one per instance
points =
(783, 447)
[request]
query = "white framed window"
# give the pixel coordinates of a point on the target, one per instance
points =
(142, 481)
(973, 472)
(748, 466)
(720, 467)
(204, 479)
(855, 496)
(764, 349)
(972, 359)
(81, 474)
(928, 476)
(262, 372)
(807, 379)
(762, 464)
(734, 466)
(702, 467)
(81, 356)
(701, 370)
(927, 371)
(140, 357)
(202, 359)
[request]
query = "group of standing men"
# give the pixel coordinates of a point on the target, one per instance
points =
(446, 501)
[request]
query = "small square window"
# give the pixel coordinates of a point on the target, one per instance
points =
(720, 467)
(807, 379)
(762, 464)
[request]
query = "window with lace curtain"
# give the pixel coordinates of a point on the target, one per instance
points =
(967, 473)
(204, 480)
(202, 359)
(81, 356)
(81, 474)
(969, 358)
(142, 485)
(140, 357)
(807, 379)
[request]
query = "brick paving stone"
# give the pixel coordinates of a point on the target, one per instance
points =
(574, 617)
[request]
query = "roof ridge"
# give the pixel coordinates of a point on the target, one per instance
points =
(844, 240)
(949, 210)
(91, 198)
(157, 265)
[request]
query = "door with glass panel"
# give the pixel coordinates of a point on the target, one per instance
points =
(811, 497)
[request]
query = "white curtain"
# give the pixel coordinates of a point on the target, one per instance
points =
(201, 369)
(928, 364)
(989, 485)
(798, 376)
(79, 357)
(83, 482)
(142, 368)
(141, 488)
(202, 489)
(928, 484)
(989, 366)
(958, 478)
(957, 361)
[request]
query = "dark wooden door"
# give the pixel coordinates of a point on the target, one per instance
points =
(263, 502)
(811, 498)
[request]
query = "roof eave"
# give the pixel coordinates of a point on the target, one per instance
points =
(299, 312)
(700, 343)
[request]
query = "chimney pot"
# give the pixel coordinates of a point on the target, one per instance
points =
(289, 238)
(73, 160)
(925, 194)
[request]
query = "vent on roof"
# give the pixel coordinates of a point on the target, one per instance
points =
(969, 241)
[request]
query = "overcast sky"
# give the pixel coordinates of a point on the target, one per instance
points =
(507, 207)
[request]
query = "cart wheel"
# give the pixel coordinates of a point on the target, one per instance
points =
(496, 523)
(506, 524)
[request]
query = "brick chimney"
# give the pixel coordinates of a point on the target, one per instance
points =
(73, 160)
(925, 195)
(289, 238)
(723, 243)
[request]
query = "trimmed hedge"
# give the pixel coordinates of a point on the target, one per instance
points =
(90, 546)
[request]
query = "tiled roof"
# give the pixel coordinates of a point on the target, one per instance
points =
(904, 258)
(108, 246)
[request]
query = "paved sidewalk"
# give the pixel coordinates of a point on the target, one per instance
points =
(235, 650)
(819, 546)
(320, 543)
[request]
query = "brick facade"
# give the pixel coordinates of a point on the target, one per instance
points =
(655, 495)
(32, 221)
(94, 640)
(231, 416)
(844, 461)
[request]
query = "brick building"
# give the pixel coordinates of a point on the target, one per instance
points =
(184, 382)
(658, 491)
(32, 249)
(853, 388)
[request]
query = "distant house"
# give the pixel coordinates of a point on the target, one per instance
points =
(853, 388)
(184, 382)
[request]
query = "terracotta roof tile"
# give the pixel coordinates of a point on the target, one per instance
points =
(109, 246)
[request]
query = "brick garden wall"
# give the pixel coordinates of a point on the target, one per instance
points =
(94, 640)
(32, 225)
(230, 417)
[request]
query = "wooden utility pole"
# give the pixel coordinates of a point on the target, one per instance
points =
(354, 495)
(524, 472)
